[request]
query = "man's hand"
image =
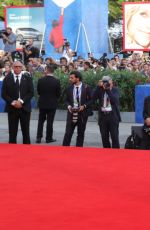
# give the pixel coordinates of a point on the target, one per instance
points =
(70, 108)
(81, 108)
(4, 37)
(17, 104)
(100, 83)
(147, 121)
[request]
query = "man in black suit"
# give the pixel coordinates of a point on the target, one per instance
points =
(48, 88)
(109, 114)
(145, 143)
(17, 91)
(78, 101)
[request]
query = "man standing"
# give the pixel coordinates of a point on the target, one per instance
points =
(48, 88)
(17, 91)
(78, 101)
(109, 114)
(9, 40)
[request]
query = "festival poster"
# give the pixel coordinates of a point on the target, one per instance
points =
(136, 26)
(82, 23)
(26, 22)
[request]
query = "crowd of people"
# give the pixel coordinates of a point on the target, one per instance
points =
(17, 69)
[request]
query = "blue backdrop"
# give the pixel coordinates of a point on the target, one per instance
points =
(93, 15)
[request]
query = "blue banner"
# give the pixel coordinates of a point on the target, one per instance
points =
(83, 23)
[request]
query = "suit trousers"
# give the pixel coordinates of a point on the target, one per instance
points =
(70, 127)
(46, 115)
(14, 117)
(109, 127)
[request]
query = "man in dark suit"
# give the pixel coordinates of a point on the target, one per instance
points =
(48, 88)
(17, 91)
(78, 101)
(145, 143)
(109, 114)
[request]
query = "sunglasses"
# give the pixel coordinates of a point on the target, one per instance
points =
(17, 66)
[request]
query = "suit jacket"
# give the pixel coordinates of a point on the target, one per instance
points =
(114, 101)
(9, 91)
(48, 88)
(86, 96)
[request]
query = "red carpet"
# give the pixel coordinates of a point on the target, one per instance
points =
(55, 188)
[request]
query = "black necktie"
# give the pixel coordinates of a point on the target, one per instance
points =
(17, 86)
(77, 95)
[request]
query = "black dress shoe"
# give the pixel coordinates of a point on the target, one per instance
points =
(38, 140)
(49, 141)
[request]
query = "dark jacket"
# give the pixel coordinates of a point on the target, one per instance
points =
(86, 96)
(48, 88)
(114, 101)
(9, 91)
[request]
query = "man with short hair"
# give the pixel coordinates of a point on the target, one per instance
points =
(78, 101)
(48, 88)
(17, 91)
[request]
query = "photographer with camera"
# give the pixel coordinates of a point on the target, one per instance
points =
(9, 40)
(104, 60)
(109, 114)
(78, 101)
(29, 50)
(67, 52)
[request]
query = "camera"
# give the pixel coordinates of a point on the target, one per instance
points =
(3, 32)
(75, 112)
(103, 60)
(23, 43)
(67, 44)
(106, 84)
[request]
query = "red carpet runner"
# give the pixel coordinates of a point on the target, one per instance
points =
(55, 188)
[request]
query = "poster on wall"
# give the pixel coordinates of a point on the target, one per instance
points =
(26, 22)
(136, 26)
(81, 23)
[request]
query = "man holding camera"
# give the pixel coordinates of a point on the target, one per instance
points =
(9, 40)
(29, 50)
(109, 114)
(78, 101)
(67, 52)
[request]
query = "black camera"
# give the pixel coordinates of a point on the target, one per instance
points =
(3, 32)
(106, 84)
(75, 112)
(103, 60)
(23, 43)
(66, 42)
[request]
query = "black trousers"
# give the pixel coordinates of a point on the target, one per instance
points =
(109, 128)
(70, 127)
(13, 121)
(46, 115)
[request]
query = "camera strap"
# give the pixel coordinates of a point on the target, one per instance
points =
(77, 95)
